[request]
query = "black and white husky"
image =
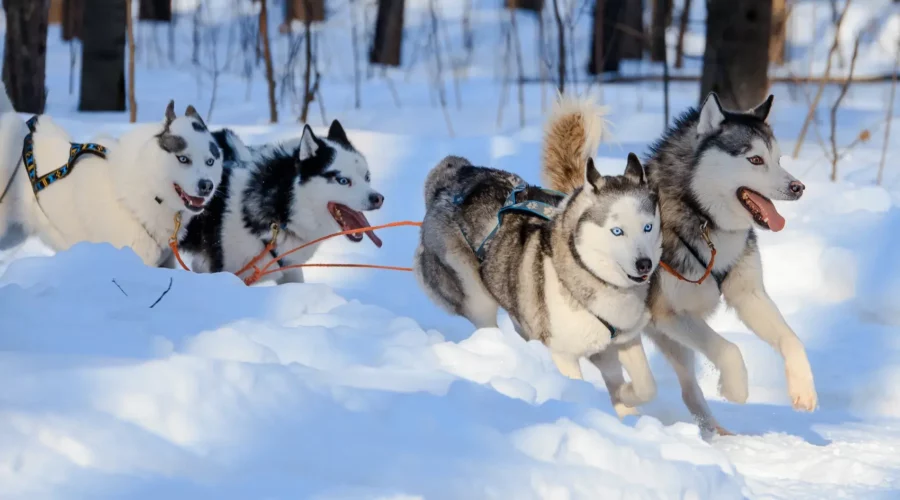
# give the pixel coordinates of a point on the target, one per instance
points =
(572, 271)
(716, 173)
(307, 188)
(128, 199)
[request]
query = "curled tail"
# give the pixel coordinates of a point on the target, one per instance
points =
(571, 135)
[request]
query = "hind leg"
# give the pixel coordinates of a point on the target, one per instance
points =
(453, 283)
(681, 359)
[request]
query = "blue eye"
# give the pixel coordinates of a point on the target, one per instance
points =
(617, 231)
(209, 162)
(648, 228)
(343, 181)
(183, 159)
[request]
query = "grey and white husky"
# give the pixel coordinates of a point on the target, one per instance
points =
(716, 173)
(307, 188)
(575, 276)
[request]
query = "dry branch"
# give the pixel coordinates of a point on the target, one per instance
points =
(267, 56)
(837, 104)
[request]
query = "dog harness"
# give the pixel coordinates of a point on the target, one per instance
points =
(76, 150)
(530, 207)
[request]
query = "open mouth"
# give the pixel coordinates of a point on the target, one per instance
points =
(349, 219)
(639, 279)
(761, 208)
(192, 203)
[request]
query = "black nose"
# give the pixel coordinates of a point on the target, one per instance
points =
(204, 187)
(643, 266)
(376, 200)
(797, 188)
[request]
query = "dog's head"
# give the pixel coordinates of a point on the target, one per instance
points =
(192, 161)
(336, 178)
(617, 236)
(738, 168)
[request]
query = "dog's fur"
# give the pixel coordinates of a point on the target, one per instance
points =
(289, 184)
(558, 279)
(127, 200)
(699, 169)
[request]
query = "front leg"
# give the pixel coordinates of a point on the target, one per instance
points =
(642, 388)
(744, 291)
(610, 367)
(294, 275)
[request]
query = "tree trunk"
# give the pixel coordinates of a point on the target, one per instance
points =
(25, 54)
(297, 10)
(267, 55)
(632, 39)
(606, 36)
(736, 60)
(662, 17)
(132, 100)
(103, 56)
(387, 43)
(778, 41)
(682, 29)
(72, 19)
(529, 5)
(55, 15)
(155, 10)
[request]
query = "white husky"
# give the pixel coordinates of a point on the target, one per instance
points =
(129, 198)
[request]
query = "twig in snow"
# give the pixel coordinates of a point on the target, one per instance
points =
(163, 294)
(889, 115)
(837, 103)
(119, 287)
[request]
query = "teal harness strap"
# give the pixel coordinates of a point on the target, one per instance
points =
(76, 150)
(531, 207)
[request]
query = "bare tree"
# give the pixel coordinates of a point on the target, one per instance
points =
(387, 44)
(837, 104)
(529, 5)
(267, 56)
(25, 53)
(103, 56)
(132, 101)
(632, 41)
(736, 59)
(778, 42)
(606, 36)
(72, 17)
(662, 17)
(310, 87)
(682, 29)
(298, 9)
(561, 39)
(155, 10)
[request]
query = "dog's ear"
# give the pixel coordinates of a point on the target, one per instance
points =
(336, 133)
(762, 111)
(711, 115)
(199, 125)
(592, 175)
(308, 145)
(634, 171)
(170, 113)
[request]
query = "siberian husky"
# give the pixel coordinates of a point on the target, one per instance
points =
(716, 173)
(127, 193)
(307, 188)
(571, 271)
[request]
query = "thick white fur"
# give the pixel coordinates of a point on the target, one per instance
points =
(310, 218)
(104, 201)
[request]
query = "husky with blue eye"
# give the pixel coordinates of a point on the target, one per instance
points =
(572, 270)
(306, 188)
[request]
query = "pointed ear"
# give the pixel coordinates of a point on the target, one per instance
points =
(170, 112)
(634, 171)
(711, 115)
(336, 133)
(190, 111)
(762, 111)
(592, 175)
(308, 146)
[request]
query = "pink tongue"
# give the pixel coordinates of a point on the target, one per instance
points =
(363, 222)
(774, 219)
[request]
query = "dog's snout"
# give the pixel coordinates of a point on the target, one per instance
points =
(376, 200)
(204, 187)
(797, 188)
(643, 265)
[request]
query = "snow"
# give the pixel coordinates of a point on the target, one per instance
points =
(355, 386)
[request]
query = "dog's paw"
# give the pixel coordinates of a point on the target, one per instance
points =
(802, 390)
(624, 411)
(733, 376)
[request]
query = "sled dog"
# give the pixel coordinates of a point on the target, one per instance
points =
(306, 188)
(716, 173)
(572, 271)
(124, 192)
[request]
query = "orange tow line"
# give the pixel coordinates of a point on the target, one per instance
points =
(265, 270)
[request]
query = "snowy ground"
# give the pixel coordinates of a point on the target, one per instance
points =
(356, 386)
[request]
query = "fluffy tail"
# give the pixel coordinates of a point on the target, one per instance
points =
(571, 135)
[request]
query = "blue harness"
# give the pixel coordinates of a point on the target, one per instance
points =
(75, 151)
(530, 207)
